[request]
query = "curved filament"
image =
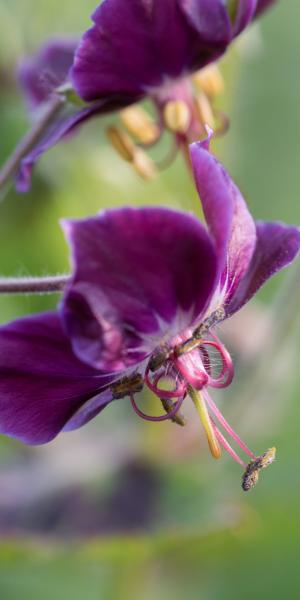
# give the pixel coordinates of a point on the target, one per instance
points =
(179, 390)
(165, 417)
(227, 372)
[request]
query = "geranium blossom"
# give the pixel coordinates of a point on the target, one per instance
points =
(41, 74)
(136, 50)
(148, 287)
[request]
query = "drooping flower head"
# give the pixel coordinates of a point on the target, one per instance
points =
(143, 49)
(148, 287)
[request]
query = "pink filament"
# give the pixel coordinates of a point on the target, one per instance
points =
(226, 425)
(227, 446)
(178, 392)
(165, 417)
(227, 366)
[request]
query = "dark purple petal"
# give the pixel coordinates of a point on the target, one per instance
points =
(139, 275)
(209, 18)
(277, 246)
(63, 127)
(227, 217)
(89, 410)
(42, 73)
(137, 45)
(245, 13)
(42, 383)
(262, 5)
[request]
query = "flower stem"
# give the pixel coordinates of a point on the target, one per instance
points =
(34, 285)
(31, 138)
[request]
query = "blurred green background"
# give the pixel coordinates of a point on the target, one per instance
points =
(121, 508)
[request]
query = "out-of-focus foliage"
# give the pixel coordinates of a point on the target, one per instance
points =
(123, 509)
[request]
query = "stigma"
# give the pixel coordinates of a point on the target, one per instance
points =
(251, 474)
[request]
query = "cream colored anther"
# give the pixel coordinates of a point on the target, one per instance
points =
(139, 124)
(210, 81)
(204, 110)
(121, 142)
(177, 116)
(143, 165)
(124, 146)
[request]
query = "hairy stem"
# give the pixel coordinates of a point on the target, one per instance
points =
(31, 138)
(34, 285)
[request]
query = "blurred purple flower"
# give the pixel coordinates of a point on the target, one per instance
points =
(262, 5)
(41, 74)
(135, 50)
(148, 287)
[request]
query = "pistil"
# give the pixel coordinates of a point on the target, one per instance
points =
(226, 425)
(202, 411)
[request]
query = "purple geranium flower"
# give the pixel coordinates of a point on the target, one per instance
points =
(142, 49)
(148, 287)
(41, 74)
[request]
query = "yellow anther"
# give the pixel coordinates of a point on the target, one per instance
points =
(122, 143)
(206, 422)
(143, 165)
(177, 116)
(124, 146)
(210, 81)
(139, 123)
(204, 110)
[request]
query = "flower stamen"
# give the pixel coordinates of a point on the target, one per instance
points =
(128, 151)
(159, 358)
(170, 414)
(126, 386)
(121, 142)
(139, 124)
(216, 317)
(153, 385)
(178, 418)
(220, 437)
(226, 425)
(177, 116)
(204, 110)
(188, 346)
(210, 81)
